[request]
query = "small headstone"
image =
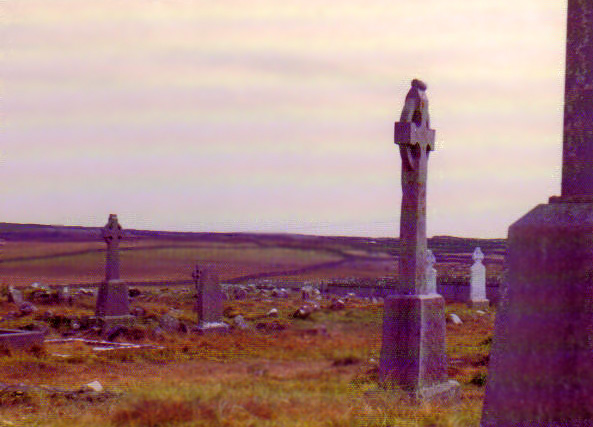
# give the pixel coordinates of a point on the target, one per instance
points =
(431, 273)
(477, 298)
(15, 295)
(306, 293)
(64, 296)
(208, 301)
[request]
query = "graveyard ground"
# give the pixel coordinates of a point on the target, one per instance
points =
(319, 371)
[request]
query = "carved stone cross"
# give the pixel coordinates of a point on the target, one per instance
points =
(415, 139)
(112, 234)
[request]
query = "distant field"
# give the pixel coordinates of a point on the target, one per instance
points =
(61, 255)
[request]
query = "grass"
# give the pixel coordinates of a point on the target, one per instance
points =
(321, 371)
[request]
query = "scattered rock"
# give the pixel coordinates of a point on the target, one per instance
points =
(337, 304)
(319, 330)
(303, 312)
(115, 331)
(138, 312)
(272, 313)
(95, 386)
(133, 292)
(453, 318)
(240, 293)
(169, 323)
(240, 323)
(480, 312)
(274, 326)
(26, 308)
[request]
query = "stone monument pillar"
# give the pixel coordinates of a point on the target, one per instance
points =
(413, 356)
(112, 300)
(208, 302)
(477, 290)
(541, 362)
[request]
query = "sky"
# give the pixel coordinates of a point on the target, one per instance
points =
(276, 116)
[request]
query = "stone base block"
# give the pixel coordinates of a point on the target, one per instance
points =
(413, 358)
(113, 299)
(14, 338)
(541, 364)
(211, 328)
(480, 304)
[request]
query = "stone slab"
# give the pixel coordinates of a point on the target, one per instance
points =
(208, 298)
(14, 338)
(541, 364)
(211, 328)
(413, 352)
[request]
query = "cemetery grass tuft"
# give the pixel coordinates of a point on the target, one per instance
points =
(319, 371)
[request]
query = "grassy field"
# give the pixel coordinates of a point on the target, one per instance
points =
(321, 371)
(315, 372)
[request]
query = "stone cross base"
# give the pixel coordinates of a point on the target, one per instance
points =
(479, 304)
(413, 356)
(107, 323)
(113, 299)
(541, 363)
(211, 327)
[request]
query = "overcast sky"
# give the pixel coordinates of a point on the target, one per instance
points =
(276, 116)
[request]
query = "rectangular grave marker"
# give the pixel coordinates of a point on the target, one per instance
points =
(208, 301)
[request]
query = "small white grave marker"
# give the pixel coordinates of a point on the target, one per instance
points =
(477, 292)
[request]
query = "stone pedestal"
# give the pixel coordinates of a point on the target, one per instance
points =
(541, 363)
(112, 299)
(413, 356)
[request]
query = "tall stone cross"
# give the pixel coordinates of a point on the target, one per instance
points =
(413, 358)
(415, 139)
(541, 370)
(112, 234)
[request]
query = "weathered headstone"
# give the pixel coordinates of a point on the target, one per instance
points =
(431, 273)
(208, 301)
(112, 299)
(541, 364)
(413, 352)
(477, 289)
